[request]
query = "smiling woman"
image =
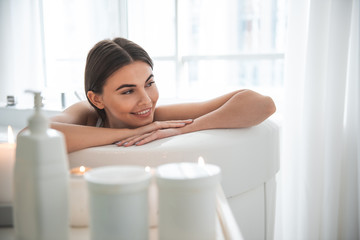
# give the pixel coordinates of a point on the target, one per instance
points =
(128, 97)
(122, 96)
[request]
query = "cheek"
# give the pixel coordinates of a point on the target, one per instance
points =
(126, 104)
(154, 94)
(118, 104)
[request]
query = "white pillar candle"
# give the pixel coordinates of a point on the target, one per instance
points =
(118, 198)
(187, 201)
(79, 212)
(7, 159)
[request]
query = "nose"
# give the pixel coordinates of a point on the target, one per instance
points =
(144, 98)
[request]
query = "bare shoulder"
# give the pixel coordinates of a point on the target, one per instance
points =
(81, 113)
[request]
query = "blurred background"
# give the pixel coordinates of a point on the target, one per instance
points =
(201, 49)
(304, 54)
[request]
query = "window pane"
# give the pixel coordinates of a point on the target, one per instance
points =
(231, 26)
(214, 77)
(152, 25)
(71, 28)
(203, 27)
(165, 78)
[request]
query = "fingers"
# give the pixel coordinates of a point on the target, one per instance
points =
(147, 139)
(163, 125)
(187, 121)
(136, 140)
(150, 132)
(128, 141)
(172, 124)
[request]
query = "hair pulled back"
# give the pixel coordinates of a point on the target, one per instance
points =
(105, 58)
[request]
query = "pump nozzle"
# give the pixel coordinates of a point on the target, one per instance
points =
(37, 99)
(38, 123)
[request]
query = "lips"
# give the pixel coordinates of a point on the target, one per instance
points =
(143, 113)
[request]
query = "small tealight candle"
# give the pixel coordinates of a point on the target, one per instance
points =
(79, 213)
(7, 159)
(187, 200)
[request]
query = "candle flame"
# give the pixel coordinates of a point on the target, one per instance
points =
(11, 138)
(79, 171)
(201, 161)
(82, 169)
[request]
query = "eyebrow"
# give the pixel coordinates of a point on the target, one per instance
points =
(133, 85)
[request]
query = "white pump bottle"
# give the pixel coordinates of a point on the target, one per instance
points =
(41, 181)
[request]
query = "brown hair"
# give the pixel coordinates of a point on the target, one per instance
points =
(105, 58)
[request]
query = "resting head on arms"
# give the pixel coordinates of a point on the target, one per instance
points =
(122, 97)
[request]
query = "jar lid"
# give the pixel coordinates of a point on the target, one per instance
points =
(118, 178)
(187, 174)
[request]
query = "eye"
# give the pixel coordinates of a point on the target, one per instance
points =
(149, 84)
(127, 92)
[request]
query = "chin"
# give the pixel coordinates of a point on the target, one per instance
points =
(140, 123)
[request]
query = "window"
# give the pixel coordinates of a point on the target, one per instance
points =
(201, 48)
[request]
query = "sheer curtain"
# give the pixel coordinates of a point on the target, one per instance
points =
(21, 58)
(319, 188)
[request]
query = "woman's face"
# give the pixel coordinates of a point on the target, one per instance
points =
(129, 96)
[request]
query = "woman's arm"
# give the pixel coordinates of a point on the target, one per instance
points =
(243, 108)
(77, 123)
(78, 137)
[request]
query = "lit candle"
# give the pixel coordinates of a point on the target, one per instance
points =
(187, 200)
(7, 159)
(79, 213)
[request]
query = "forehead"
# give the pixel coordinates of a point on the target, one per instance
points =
(132, 73)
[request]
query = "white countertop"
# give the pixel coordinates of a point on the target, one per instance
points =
(75, 234)
(224, 215)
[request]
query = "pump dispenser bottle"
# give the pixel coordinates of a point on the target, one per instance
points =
(41, 181)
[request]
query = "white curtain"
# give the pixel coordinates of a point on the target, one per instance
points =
(319, 188)
(21, 49)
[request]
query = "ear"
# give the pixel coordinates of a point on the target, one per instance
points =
(95, 99)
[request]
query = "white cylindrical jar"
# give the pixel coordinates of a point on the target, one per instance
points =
(118, 200)
(187, 201)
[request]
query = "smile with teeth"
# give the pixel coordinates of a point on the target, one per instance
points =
(144, 112)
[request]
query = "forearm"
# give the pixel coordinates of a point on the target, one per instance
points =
(192, 110)
(244, 109)
(78, 137)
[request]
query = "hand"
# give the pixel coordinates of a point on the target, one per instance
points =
(149, 137)
(158, 130)
(162, 125)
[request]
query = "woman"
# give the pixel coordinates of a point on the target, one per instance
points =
(122, 97)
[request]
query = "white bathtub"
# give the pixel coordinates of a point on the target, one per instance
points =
(249, 159)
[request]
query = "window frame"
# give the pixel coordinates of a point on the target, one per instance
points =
(178, 58)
